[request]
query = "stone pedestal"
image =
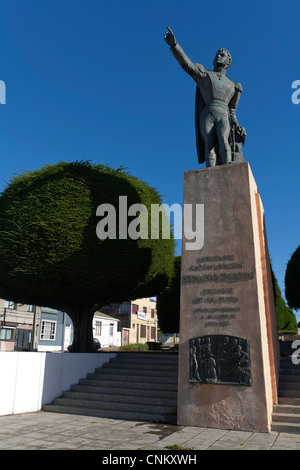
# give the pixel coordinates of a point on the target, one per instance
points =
(229, 349)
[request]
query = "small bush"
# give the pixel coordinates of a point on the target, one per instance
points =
(134, 347)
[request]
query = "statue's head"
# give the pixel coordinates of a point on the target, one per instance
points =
(222, 58)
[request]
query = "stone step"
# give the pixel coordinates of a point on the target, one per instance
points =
(119, 406)
(286, 418)
(289, 361)
(113, 414)
(286, 415)
(288, 393)
(289, 385)
(161, 358)
(131, 386)
(122, 390)
(159, 372)
(107, 382)
(292, 428)
(140, 366)
(289, 371)
(287, 409)
(120, 398)
(287, 351)
(288, 401)
(285, 344)
(289, 378)
(133, 377)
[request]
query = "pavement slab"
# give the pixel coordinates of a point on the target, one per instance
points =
(53, 431)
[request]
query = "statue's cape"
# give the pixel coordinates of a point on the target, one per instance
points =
(199, 106)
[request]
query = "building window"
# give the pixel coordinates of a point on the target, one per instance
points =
(152, 312)
(6, 334)
(145, 309)
(48, 330)
(111, 329)
(98, 328)
(153, 332)
(10, 304)
(143, 331)
(135, 308)
(29, 308)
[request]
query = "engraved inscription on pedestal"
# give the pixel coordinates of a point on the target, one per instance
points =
(220, 359)
(216, 299)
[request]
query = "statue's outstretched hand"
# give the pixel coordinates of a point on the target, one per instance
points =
(170, 38)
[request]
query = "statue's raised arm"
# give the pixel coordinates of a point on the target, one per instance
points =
(170, 38)
(196, 71)
(218, 135)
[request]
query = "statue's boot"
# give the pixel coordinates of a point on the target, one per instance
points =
(226, 157)
(211, 160)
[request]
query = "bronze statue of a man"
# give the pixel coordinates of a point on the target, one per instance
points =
(218, 134)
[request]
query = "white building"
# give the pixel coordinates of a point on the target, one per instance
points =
(105, 329)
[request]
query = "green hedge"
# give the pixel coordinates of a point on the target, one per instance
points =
(135, 347)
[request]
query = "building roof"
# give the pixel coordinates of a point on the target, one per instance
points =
(100, 314)
(50, 310)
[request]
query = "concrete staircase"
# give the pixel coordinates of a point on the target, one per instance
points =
(132, 386)
(286, 415)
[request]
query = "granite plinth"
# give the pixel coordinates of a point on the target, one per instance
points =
(226, 291)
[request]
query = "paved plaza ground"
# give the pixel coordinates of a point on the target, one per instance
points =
(53, 431)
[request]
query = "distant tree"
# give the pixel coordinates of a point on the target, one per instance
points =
(292, 280)
(168, 302)
(51, 256)
(286, 319)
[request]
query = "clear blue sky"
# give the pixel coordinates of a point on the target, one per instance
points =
(94, 80)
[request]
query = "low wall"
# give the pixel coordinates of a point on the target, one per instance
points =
(28, 380)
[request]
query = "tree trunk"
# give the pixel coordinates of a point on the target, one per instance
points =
(82, 319)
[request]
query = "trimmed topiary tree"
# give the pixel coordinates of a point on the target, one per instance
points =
(50, 254)
(286, 319)
(292, 280)
(168, 302)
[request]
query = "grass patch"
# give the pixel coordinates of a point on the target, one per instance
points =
(177, 447)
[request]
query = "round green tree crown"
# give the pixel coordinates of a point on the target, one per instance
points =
(50, 254)
(292, 280)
